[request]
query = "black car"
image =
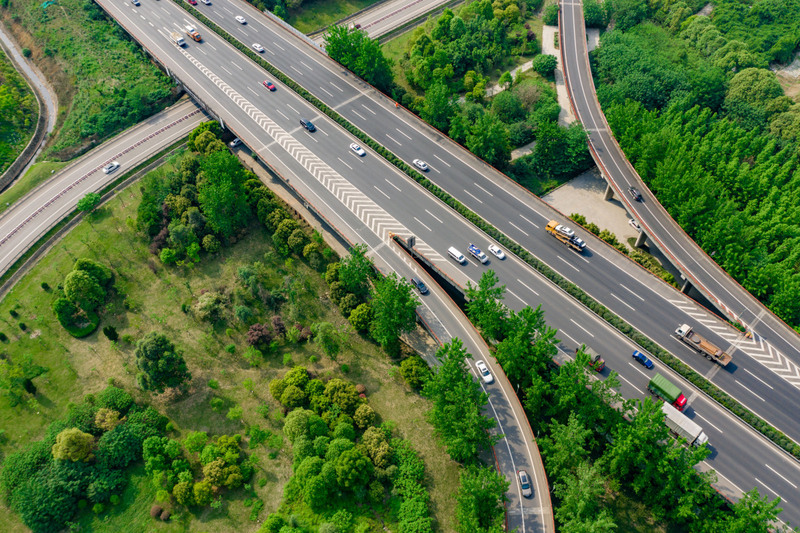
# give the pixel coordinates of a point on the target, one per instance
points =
(419, 285)
(307, 124)
(635, 194)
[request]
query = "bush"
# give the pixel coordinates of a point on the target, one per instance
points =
(415, 371)
(544, 64)
(550, 15)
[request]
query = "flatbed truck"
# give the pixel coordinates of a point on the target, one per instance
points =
(702, 345)
(565, 235)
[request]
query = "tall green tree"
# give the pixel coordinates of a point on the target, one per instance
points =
(485, 306)
(16, 378)
(751, 514)
(480, 500)
(394, 305)
(355, 271)
(161, 364)
(458, 402)
(355, 50)
(221, 193)
(438, 108)
(488, 139)
(580, 494)
(528, 346)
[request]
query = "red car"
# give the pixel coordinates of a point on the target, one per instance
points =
(268, 84)
(192, 2)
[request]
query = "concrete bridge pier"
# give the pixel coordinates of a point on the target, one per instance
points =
(609, 193)
(641, 239)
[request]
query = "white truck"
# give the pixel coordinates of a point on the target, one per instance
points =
(680, 425)
(177, 38)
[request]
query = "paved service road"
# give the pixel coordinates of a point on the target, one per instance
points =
(24, 223)
(702, 272)
(376, 200)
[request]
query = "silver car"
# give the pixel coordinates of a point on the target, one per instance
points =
(111, 167)
(357, 150)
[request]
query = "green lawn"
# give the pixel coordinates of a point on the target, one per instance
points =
(154, 299)
(103, 80)
(317, 14)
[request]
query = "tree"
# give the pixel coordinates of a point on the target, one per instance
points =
(505, 80)
(353, 469)
(438, 107)
(415, 371)
(106, 419)
(629, 13)
(203, 493)
(550, 16)
(394, 305)
(580, 494)
(458, 402)
(356, 51)
(485, 305)
(72, 444)
(162, 365)
(751, 514)
(544, 64)
(754, 94)
(84, 290)
(508, 107)
(329, 337)
(259, 335)
(361, 317)
(355, 271)
(528, 347)
(89, 202)
(364, 416)
(221, 195)
(480, 500)
(488, 139)
(565, 447)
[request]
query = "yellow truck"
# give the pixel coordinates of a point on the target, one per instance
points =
(565, 235)
(193, 33)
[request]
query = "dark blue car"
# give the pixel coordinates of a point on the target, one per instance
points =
(642, 358)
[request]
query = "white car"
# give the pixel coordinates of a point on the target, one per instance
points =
(258, 48)
(420, 164)
(206, 2)
(357, 150)
(240, 19)
(635, 225)
(484, 370)
(496, 251)
(234, 143)
(111, 167)
(565, 230)
(525, 483)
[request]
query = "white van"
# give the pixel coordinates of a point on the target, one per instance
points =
(455, 254)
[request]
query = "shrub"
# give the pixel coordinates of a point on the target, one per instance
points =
(213, 384)
(544, 64)
(550, 15)
(415, 371)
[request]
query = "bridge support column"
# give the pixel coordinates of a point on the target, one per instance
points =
(640, 240)
(686, 286)
(609, 193)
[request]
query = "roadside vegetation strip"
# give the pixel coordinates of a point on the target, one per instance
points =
(570, 288)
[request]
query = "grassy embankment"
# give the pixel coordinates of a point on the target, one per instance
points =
(154, 295)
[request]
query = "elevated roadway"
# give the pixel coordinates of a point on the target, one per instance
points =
(699, 270)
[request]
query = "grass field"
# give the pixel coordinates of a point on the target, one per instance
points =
(77, 367)
(103, 80)
(317, 14)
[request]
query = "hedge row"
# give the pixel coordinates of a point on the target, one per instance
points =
(573, 290)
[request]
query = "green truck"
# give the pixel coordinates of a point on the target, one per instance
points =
(667, 391)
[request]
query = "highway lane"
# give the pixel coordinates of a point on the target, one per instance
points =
(704, 273)
(771, 379)
(380, 197)
(24, 223)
